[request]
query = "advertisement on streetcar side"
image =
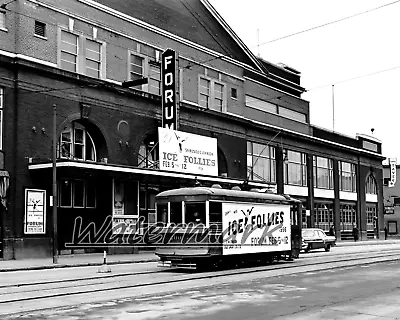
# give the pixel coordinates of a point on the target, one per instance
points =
(253, 228)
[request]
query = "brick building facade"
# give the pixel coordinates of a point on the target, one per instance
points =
(75, 54)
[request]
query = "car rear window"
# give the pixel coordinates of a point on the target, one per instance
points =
(308, 233)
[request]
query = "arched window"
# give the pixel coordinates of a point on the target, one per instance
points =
(148, 153)
(371, 185)
(76, 143)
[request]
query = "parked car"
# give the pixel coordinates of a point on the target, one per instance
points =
(316, 239)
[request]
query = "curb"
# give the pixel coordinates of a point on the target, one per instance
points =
(74, 265)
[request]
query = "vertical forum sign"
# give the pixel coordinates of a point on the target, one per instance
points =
(168, 85)
(392, 180)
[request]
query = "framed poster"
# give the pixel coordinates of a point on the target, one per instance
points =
(118, 198)
(35, 211)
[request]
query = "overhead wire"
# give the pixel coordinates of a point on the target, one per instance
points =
(354, 78)
(327, 24)
(190, 64)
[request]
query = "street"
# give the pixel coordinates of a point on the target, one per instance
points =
(367, 291)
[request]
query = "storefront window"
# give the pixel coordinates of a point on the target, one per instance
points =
(295, 169)
(371, 210)
(323, 173)
(125, 198)
(392, 227)
(76, 193)
(261, 163)
(348, 217)
(347, 176)
(79, 193)
(324, 218)
(65, 193)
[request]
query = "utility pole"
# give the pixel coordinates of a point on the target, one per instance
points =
(333, 107)
(55, 254)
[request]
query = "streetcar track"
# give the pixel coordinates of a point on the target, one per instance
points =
(201, 277)
(126, 274)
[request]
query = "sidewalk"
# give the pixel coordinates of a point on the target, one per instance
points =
(96, 259)
(367, 242)
(77, 260)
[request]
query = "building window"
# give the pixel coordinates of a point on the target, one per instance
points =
(76, 143)
(125, 198)
(69, 51)
(295, 169)
(90, 194)
(371, 213)
(3, 19)
(93, 58)
(347, 176)
(370, 187)
(155, 78)
(348, 217)
(148, 153)
(266, 106)
(324, 215)
(261, 163)
(79, 54)
(323, 173)
(204, 93)
(40, 29)
(136, 67)
(211, 94)
(76, 193)
(293, 115)
(1, 117)
(392, 227)
(262, 105)
(233, 93)
(141, 66)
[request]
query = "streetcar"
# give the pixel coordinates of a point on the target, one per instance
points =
(211, 227)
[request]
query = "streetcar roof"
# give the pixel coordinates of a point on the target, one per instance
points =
(225, 194)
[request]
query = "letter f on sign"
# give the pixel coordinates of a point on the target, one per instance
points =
(167, 61)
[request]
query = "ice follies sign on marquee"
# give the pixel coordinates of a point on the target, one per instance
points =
(392, 181)
(187, 153)
(168, 87)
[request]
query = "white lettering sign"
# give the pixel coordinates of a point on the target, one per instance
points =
(35, 211)
(392, 181)
(189, 153)
(252, 228)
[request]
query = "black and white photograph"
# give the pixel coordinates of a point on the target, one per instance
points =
(199, 160)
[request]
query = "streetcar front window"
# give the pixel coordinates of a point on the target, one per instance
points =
(195, 212)
(176, 212)
(162, 212)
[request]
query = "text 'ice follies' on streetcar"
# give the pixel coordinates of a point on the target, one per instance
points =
(207, 228)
